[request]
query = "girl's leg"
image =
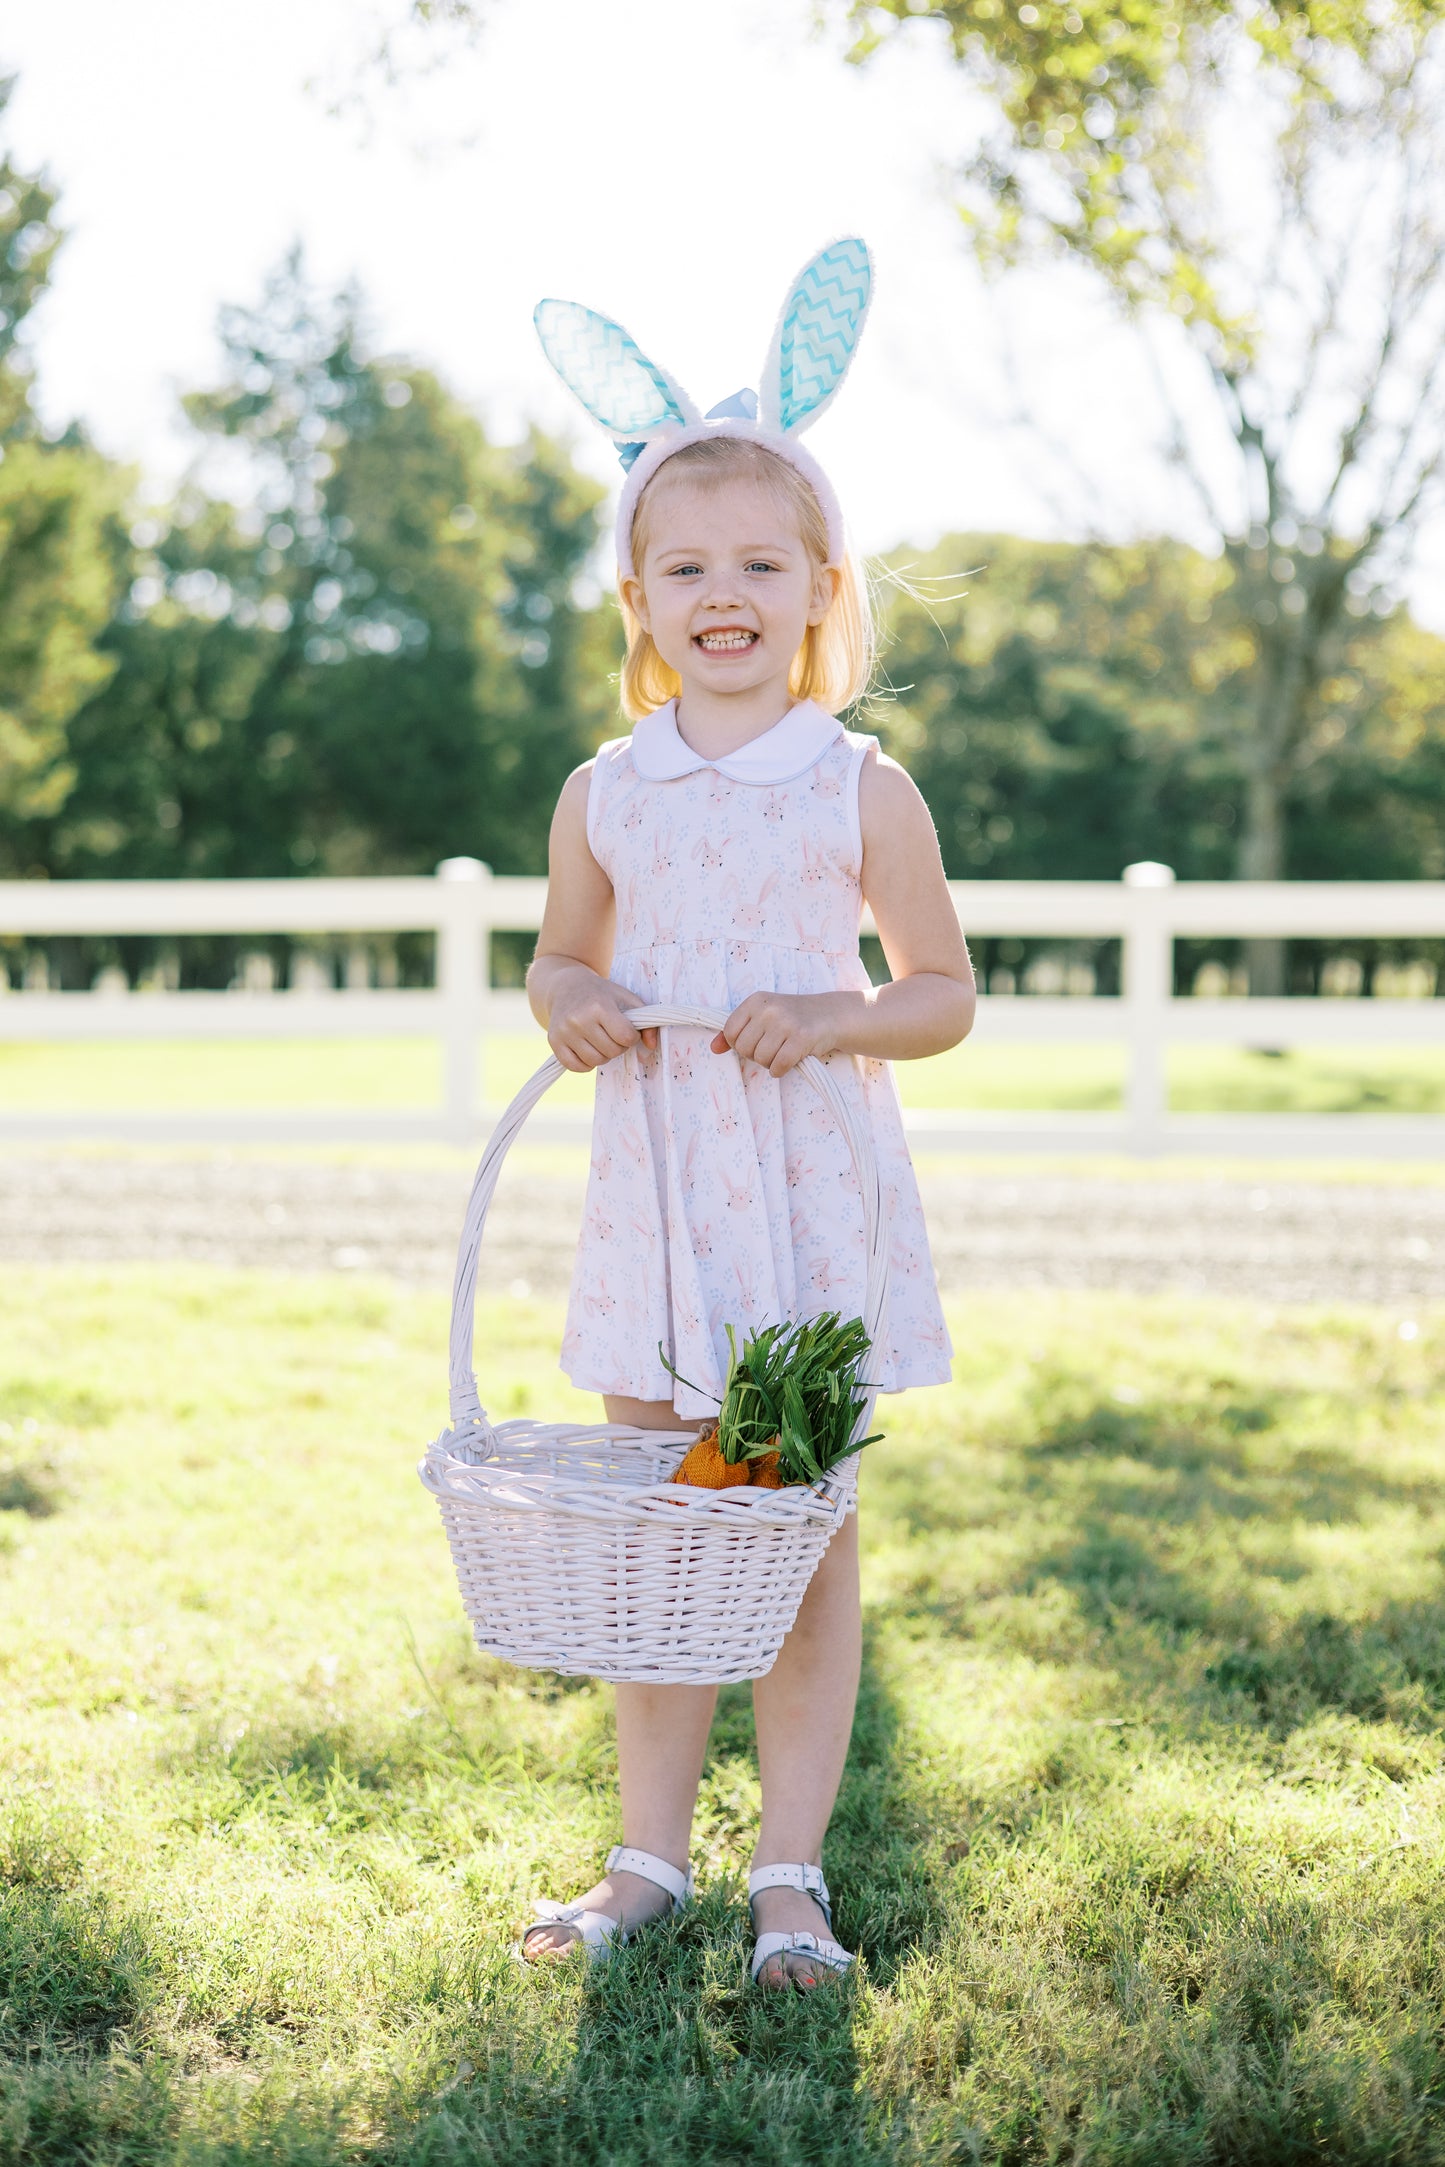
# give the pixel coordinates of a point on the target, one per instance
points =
(661, 1738)
(804, 1715)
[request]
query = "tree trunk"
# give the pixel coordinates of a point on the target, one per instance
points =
(1261, 857)
(1262, 836)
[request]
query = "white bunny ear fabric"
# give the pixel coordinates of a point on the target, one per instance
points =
(603, 365)
(818, 331)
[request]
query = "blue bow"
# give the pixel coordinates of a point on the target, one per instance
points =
(741, 406)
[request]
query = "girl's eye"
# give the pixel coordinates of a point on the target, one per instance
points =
(679, 570)
(760, 565)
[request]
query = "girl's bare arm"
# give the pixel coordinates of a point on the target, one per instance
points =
(930, 1004)
(583, 1014)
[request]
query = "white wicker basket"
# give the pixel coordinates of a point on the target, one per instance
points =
(573, 1550)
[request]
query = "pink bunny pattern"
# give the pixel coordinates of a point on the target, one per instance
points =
(719, 1193)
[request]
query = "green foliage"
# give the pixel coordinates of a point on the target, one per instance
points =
(1368, 793)
(62, 553)
(1308, 331)
(388, 652)
(794, 1390)
(381, 664)
(1067, 709)
(29, 237)
(1103, 147)
(379, 660)
(1052, 705)
(62, 573)
(1139, 1835)
(180, 765)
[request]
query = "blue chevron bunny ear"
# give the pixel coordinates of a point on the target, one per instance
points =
(632, 398)
(818, 330)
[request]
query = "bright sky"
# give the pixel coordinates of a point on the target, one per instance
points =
(670, 162)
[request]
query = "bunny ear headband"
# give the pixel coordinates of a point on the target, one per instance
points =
(649, 416)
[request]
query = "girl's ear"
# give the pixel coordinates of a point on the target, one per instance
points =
(604, 367)
(634, 595)
(827, 579)
(821, 322)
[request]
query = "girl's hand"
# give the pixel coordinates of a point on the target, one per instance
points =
(777, 1030)
(582, 1012)
(587, 1020)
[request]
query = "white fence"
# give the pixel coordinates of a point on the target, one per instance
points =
(465, 903)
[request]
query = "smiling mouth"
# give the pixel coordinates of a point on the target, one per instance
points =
(735, 641)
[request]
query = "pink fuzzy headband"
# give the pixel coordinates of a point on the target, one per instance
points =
(649, 416)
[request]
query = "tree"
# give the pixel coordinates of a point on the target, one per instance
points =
(62, 571)
(171, 770)
(62, 542)
(1063, 711)
(1370, 802)
(410, 39)
(29, 237)
(377, 661)
(1072, 707)
(1261, 189)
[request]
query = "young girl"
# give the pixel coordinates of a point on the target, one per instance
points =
(720, 857)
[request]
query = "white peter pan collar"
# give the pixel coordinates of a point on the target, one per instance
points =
(780, 755)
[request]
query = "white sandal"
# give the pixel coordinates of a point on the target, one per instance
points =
(810, 1880)
(599, 1934)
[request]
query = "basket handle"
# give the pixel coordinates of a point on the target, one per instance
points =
(467, 1411)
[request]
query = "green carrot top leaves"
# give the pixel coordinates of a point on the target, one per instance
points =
(794, 1390)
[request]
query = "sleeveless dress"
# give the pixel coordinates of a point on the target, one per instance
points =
(718, 1193)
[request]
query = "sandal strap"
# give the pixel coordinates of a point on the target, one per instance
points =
(817, 1946)
(648, 1867)
(802, 1876)
(595, 1929)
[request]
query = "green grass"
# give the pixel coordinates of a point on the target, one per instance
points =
(1139, 1838)
(369, 1074)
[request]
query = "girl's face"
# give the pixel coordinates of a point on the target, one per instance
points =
(727, 587)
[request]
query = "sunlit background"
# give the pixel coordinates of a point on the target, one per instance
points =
(666, 161)
(318, 544)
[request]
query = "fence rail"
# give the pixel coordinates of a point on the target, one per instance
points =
(464, 904)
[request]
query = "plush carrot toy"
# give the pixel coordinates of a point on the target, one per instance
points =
(704, 1468)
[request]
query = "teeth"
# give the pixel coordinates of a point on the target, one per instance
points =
(726, 639)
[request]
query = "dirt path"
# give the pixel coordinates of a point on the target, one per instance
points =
(1273, 1240)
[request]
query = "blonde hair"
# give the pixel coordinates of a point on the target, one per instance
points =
(834, 664)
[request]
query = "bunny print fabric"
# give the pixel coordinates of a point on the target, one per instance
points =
(718, 1193)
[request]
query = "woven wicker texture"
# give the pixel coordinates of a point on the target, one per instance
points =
(573, 1550)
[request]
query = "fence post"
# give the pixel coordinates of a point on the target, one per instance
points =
(1148, 978)
(463, 970)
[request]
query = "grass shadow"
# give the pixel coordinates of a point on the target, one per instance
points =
(1160, 1902)
(1161, 1546)
(1156, 1564)
(30, 1487)
(667, 2055)
(1162, 1895)
(75, 1971)
(79, 2109)
(672, 2057)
